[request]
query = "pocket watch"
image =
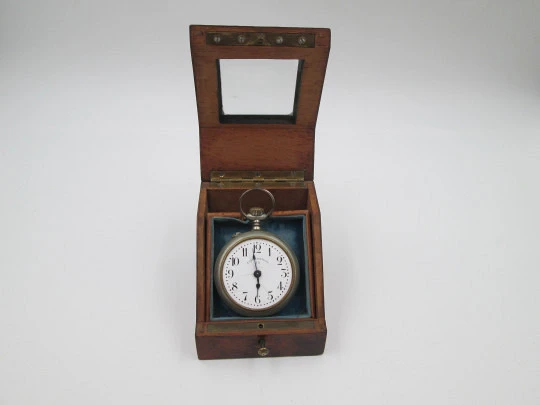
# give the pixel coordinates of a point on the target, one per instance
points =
(256, 273)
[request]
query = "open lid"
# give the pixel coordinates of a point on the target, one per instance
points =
(231, 140)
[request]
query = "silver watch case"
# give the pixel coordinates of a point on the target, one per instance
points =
(220, 262)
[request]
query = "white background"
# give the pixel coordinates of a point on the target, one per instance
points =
(427, 170)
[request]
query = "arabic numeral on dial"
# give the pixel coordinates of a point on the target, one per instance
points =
(234, 285)
(245, 295)
(230, 272)
(244, 251)
(269, 252)
(280, 286)
(285, 273)
(270, 296)
(257, 248)
(280, 260)
(257, 300)
(235, 261)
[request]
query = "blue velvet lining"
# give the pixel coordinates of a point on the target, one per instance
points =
(290, 228)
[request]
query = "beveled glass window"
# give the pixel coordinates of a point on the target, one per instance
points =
(258, 90)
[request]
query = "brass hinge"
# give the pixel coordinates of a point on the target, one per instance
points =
(252, 178)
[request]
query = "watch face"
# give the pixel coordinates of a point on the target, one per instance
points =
(257, 276)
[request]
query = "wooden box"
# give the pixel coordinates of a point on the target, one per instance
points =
(275, 152)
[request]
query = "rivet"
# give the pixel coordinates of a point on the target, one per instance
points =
(241, 39)
(279, 40)
(302, 40)
(217, 39)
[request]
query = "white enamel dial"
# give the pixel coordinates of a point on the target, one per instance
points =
(257, 275)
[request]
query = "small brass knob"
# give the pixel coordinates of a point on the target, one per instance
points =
(263, 351)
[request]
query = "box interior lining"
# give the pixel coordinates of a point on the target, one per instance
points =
(290, 228)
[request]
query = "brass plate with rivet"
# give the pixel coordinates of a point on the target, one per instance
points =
(303, 40)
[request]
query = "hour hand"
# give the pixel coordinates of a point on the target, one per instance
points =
(258, 285)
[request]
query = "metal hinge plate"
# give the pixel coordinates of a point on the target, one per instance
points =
(256, 178)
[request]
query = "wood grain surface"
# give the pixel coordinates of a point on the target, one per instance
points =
(255, 146)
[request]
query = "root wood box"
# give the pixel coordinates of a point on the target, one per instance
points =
(275, 151)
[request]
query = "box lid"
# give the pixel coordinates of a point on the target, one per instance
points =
(258, 142)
